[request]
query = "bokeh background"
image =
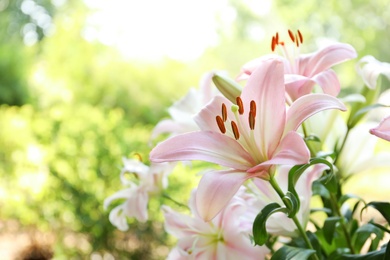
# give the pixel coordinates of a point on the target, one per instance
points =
(82, 84)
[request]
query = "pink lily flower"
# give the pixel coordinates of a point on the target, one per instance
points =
(251, 137)
(302, 72)
(383, 129)
(147, 181)
(225, 237)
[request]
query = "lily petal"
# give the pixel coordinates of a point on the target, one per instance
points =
(265, 86)
(383, 129)
(291, 151)
(328, 81)
(216, 189)
(309, 105)
(326, 58)
(205, 146)
(205, 119)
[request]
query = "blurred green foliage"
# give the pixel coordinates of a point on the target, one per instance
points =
(71, 109)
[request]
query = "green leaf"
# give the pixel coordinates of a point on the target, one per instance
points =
(292, 204)
(260, 234)
(374, 255)
(382, 207)
(320, 189)
(228, 87)
(346, 197)
(330, 182)
(355, 118)
(292, 253)
(363, 233)
(296, 172)
(312, 138)
(380, 227)
(329, 228)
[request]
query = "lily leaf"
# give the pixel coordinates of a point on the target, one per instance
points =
(289, 252)
(296, 172)
(260, 234)
(355, 118)
(382, 207)
(329, 228)
(363, 233)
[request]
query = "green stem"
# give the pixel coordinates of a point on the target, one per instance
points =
(312, 152)
(336, 209)
(301, 230)
(342, 146)
(174, 201)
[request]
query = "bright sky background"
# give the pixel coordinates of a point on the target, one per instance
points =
(151, 29)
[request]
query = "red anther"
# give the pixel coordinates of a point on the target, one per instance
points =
(277, 38)
(224, 112)
(220, 124)
(273, 43)
(235, 130)
(240, 105)
(291, 35)
(251, 120)
(253, 107)
(300, 37)
(297, 42)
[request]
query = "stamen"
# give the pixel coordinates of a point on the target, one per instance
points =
(273, 43)
(253, 107)
(277, 38)
(220, 124)
(291, 35)
(224, 112)
(251, 120)
(300, 37)
(297, 42)
(235, 130)
(240, 105)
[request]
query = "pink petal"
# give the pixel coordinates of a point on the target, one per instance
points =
(308, 105)
(205, 146)
(328, 81)
(292, 150)
(383, 129)
(266, 87)
(250, 66)
(205, 119)
(327, 57)
(216, 189)
(180, 225)
(298, 85)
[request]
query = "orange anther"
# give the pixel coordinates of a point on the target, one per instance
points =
(253, 107)
(220, 124)
(224, 112)
(300, 37)
(291, 35)
(240, 105)
(251, 120)
(273, 43)
(235, 130)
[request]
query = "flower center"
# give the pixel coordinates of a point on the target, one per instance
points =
(292, 52)
(238, 111)
(241, 127)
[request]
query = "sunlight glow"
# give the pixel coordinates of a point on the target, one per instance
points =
(153, 29)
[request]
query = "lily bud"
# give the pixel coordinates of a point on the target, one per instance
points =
(228, 87)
